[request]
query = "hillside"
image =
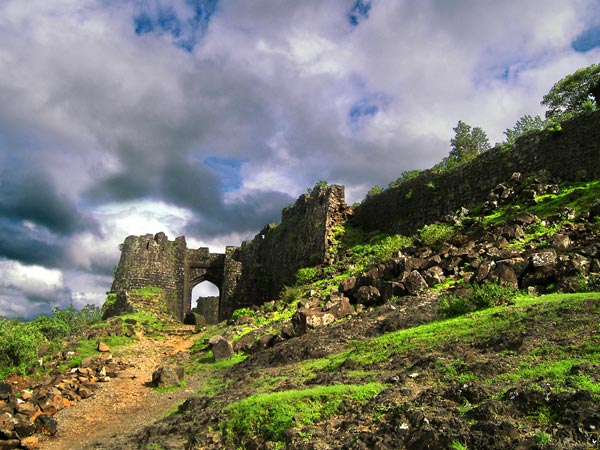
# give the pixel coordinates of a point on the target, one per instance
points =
(457, 362)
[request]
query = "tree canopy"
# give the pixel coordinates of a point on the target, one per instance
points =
(467, 142)
(574, 93)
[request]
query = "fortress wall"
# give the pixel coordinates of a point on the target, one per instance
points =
(571, 154)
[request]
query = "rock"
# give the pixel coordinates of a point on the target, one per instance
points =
(347, 285)
(543, 258)
(102, 347)
(222, 349)
(45, 424)
(561, 241)
(49, 400)
(306, 319)
(24, 426)
(415, 283)
(7, 425)
(10, 444)
(434, 275)
(86, 390)
(368, 295)
(193, 318)
(167, 376)
(595, 209)
(6, 393)
(504, 275)
(341, 307)
(26, 408)
(30, 443)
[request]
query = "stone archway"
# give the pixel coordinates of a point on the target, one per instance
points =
(208, 306)
(202, 266)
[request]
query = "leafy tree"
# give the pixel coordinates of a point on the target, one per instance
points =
(574, 94)
(19, 342)
(523, 126)
(374, 191)
(468, 142)
(405, 176)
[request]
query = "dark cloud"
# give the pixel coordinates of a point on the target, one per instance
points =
(31, 196)
(21, 243)
(246, 215)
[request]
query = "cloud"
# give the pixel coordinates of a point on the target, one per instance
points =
(33, 286)
(205, 118)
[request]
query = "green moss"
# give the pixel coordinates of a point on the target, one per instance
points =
(269, 415)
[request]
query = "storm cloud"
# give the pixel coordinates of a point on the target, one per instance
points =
(207, 117)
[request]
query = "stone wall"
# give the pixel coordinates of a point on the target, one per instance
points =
(152, 260)
(267, 263)
(571, 154)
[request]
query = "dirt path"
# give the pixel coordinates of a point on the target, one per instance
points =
(125, 404)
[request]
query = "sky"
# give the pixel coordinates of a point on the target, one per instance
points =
(205, 118)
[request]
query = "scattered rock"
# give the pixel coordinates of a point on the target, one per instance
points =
(46, 424)
(167, 376)
(221, 348)
(102, 347)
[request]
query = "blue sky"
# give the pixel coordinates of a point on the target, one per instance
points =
(205, 118)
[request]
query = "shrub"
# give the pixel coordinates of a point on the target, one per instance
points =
(476, 298)
(19, 342)
(436, 234)
(242, 312)
(306, 275)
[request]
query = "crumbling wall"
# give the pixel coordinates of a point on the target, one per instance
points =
(571, 154)
(153, 260)
(264, 265)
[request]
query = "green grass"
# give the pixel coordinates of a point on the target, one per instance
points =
(576, 195)
(484, 324)
(269, 415)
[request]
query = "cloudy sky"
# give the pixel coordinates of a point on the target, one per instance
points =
(204, 118)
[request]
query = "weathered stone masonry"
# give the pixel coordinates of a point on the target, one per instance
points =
(571, 154)
(257, 270)
(248, 275)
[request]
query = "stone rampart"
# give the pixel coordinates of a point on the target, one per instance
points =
(571, 154)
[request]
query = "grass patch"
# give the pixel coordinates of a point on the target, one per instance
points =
(269, 415)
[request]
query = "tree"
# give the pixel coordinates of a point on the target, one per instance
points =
(575, 93)
(467, 143)
(523, 126)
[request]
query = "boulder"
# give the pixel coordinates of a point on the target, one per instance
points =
(347, 285)
(543, 258)
(434, 275)
(45, 424)
(339, 306)
(30, 443)
(10, 444)
(193, 318)
(102, 347)
(167, 376)
(222, 349)
(415, 283)
(7, 425)
(368, 295)
(595, 209)
(307, 319)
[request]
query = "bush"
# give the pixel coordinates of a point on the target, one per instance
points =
(19, 342)
(306, 275)
(243, 312)
(436, 234)
(477, 297)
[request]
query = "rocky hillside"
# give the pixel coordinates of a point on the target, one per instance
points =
(478, 332)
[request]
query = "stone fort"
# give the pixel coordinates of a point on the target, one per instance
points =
(257, 270)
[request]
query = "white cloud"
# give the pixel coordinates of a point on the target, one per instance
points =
(119, 122)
